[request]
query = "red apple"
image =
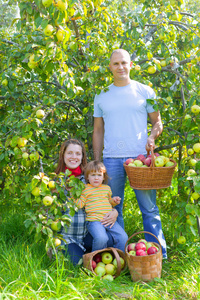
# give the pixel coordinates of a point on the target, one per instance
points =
(140, 246)
(131, 247)
(129, 160)
(151, 250)
(141, 252)
(141, 157)
(97, 258)
(93, 264)
(147, 161)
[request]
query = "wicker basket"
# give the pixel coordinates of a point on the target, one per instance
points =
(141, 178)
(116, 253)
(147, 267)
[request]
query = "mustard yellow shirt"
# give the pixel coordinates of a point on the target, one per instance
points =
(96, 201)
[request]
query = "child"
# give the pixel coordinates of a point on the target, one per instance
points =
(97, 200)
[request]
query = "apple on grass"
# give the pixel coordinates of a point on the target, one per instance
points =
(108, 277)
(107, 257)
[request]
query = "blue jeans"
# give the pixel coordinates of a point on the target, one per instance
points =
(146, 200)
(100, 237)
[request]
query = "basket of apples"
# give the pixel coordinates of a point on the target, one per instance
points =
(153, 171)
(144, 259)
(106, 263)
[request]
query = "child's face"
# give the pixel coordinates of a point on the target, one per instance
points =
(73, 156)
(96, 178)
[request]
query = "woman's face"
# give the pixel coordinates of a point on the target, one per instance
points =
(73, 156)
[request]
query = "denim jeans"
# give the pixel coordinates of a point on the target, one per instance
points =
(100, 236)
(146, 200)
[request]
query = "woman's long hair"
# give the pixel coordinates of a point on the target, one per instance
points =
(61, 164)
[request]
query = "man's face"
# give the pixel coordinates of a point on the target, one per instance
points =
(120, 66)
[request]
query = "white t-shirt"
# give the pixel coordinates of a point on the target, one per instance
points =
(124, 111)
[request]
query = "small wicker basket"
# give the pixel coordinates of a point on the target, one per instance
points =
(141, 178)
(147, 267)
(116, 253)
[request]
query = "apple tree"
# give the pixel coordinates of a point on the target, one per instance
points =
(54, 59)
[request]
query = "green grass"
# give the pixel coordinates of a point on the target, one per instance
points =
(27, 273)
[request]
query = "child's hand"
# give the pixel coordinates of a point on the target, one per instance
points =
(117, 199)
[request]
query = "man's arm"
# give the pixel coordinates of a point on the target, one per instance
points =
(156, 130)
(98, 137)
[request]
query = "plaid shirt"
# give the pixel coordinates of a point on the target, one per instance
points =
(76, 231)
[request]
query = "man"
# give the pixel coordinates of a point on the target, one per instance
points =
(120, 131)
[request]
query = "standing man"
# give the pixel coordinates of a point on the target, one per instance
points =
(120, 131)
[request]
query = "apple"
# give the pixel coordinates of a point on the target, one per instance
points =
(192, 162)
(101, 264)
(131, 247)
(4, 82)
(93, 264)
(97, 258)
(57, 242)
(163, 63)
(22, 142)
(108, 277)
(25, 155)
(159, 162)
(32, 65)
(141, 252)
(169, 164)
(143, 241)
(47, 3)
(48, 30)
(195, 195)
(132, 252)
(147, 161)
(121, 260)
(138, 163)
(56, 225)
(129, 160)
(52, 184)
(191, 172)
(190, 151)
(40, 113)
(151, 69)
(131, 164)
(187, 117)
(47, 200)
(100, 271)
(36, 191)
(195, 109)
(61, 5)
(110, 269)
(137, 67)
(151, 250)
(181, 239)
(196, 147)
(166, 159)
(149, 244)
(141, 157)
(60, 35)
(107, 257)
(140, 246)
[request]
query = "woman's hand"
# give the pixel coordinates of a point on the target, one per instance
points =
(110, 218)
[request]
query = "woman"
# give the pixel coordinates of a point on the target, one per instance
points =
(77, 241)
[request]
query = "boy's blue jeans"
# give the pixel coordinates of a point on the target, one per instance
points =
(100, 237)
(146, 200)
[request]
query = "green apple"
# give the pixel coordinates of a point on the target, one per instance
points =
(138, 163)
(34, 156)
(192, 162)
(187, 117)
(47, 200)
(61, 5)
(40, 113)
(60, 35)
(132, 252)
(22, 142)
(36, 191)
(48, 30)
(101, 264)
(159, 162)
(137, 68)
(121, 260)
(181, 239)
(100, 271)
(151, 69)
(47, 3)
(195, 195)
(5, 82)
(108, 277)
(25, 155)
(107, 257)
(110, 269)
(57, 242)
(195, 109)
(190, 151)
(56, 225)
(169, 164)
(196, 147)
(32, 65)
(163, 63)
(191, 172)
(52, 184)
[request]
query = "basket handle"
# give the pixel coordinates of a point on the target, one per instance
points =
(152, 158)
(143, 232)
(118, 260)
